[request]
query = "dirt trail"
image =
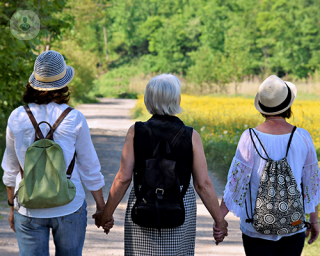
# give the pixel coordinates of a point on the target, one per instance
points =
(109, 122)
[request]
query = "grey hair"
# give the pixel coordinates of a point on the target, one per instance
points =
(162, 95)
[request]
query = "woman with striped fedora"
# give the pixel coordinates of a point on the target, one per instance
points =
(47, 95)
(274, 178)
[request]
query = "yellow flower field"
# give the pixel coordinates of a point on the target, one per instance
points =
(221, 121)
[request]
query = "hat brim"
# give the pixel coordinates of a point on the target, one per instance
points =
(293, 89)
(56, 85)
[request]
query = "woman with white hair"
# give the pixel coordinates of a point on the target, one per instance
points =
(274, 178)
(162, 154)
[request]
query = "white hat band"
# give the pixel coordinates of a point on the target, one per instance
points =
(50, 78)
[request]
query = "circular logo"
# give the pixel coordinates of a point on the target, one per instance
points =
(271, 192)
(281, 179)
(269, 206)
(295, 204)
(283, 207)
(24, 25)
(283, 220)
(272, 179)
(282, 231)
(292, 190)
(269, 219)
(295, 216)
(258, 203)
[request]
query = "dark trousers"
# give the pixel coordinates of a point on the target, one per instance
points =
(286, 246)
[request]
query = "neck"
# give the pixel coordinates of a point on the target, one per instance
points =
(278, 118)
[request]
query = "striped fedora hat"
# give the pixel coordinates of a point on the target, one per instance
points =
(50, 72)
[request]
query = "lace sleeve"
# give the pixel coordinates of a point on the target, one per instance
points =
(239, 175)
(310, 176)
(237, 186)
(311, 186)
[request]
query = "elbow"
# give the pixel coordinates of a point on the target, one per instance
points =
(202, 186)
(124, 180)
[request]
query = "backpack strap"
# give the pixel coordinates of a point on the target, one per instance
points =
(61, 117)
(54, 127)
(251, 130)
(33, 121)
(289, 143)
(151, 136)
(177, 137)
(249, 220)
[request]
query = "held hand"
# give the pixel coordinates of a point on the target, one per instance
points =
(218, 235)
(314, 232)
(11, 219)
(220, 231)
(98, 216)
(108, 226)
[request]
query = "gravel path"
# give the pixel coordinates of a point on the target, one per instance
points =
(109, 122)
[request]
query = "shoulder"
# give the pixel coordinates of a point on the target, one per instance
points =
(305, 136)
(303, 132)
(17, 117)
(246, 137)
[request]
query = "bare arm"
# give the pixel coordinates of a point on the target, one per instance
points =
(223, 208)
(203, 184)
(314, 226)
(122, 180)
(98, 197)
(10, 192)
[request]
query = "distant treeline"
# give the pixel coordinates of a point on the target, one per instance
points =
(216, 41)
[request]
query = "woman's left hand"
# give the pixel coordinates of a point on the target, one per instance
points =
(98, 219)
(314, 232)
(11, 219)
(218, 235)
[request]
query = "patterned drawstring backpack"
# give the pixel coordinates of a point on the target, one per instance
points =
(279, 208)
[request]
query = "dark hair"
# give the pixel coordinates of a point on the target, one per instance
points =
(59, 96)
(286, 114)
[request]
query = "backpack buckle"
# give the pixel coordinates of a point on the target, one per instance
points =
(159, 192)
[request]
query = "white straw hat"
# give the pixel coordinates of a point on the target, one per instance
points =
(50, 72)
(275, 96)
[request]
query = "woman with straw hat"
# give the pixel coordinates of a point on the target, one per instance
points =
(273, 147)
(46, 96)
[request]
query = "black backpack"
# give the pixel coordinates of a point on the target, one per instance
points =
(159, 201)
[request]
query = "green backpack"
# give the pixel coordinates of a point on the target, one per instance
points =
(45, 182)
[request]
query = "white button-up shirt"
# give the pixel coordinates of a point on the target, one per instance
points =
(72, 135)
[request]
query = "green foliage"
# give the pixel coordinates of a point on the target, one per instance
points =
(116, 82)
(216, 42)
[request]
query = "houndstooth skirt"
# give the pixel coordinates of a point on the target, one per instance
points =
(140, 241)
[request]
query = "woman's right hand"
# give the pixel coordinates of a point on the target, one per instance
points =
(314, 232)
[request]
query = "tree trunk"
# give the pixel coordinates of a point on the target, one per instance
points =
(106, 43)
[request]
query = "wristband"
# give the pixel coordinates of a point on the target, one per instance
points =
(10, 204)
(314, 222)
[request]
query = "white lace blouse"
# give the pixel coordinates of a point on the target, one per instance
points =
(247, 166)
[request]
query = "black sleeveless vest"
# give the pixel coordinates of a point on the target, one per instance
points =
(163, 127)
